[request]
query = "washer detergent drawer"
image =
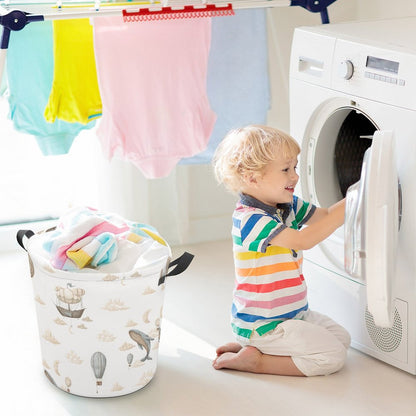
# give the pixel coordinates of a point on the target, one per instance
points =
(372, 224)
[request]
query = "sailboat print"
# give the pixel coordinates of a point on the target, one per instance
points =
(69, 301)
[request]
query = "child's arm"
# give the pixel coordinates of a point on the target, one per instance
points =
(323, 212)
(321, 225)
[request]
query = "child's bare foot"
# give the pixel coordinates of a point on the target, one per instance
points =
(235, 357)
(230, 347)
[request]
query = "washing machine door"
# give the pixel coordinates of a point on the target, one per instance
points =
(372, 224)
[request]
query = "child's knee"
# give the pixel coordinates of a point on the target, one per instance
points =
(322, 364)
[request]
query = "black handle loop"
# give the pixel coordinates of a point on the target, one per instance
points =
(21, 234)
(181, 263)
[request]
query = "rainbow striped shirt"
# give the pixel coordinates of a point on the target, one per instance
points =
(269, 286)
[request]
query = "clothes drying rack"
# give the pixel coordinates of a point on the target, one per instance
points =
(15, 16)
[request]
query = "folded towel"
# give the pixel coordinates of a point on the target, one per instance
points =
(86, 237)
(93, 251)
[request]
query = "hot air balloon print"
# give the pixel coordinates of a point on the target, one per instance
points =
(98, 364)
(129, 359)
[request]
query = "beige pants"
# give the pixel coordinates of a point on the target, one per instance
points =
(317, 344)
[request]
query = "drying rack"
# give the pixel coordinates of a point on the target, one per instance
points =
(15, 16)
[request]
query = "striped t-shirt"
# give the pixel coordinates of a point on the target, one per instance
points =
(269, 285)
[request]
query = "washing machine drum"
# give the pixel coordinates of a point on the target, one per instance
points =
(334, 155)
(353, 139)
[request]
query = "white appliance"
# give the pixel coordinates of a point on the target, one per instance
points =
(353, 88)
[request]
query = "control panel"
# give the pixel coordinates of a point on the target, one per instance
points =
(373, 72)
(383, 66)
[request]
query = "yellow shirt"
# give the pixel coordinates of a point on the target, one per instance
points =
(75, 96)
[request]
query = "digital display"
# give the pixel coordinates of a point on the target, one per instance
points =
(382, 64)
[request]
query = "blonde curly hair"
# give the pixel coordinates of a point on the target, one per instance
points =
(248, 150)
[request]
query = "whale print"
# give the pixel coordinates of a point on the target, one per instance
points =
(143, 342)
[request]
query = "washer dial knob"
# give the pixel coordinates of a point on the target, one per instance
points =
(346, 69)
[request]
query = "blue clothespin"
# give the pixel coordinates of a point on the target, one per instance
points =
(14, 20)
(315, 6)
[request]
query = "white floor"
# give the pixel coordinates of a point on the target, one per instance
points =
(196, 315)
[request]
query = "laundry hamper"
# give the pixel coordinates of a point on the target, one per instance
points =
(100, 332)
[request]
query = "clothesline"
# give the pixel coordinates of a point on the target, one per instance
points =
(76, 9)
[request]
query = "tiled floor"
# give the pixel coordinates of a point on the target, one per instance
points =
(196, 321)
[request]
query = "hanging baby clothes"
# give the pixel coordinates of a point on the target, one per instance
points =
(75, 96)
(30, 75)
(238, 79)
(152, 79)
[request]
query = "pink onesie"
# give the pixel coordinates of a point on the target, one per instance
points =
(152, 79)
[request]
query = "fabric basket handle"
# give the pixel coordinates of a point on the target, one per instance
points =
(181, 264)
(21, 234)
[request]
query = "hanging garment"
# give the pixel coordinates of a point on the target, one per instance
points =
(238, 79)
(74, 96)
(29, 74)
(152, 79)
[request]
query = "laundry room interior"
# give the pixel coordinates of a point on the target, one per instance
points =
(342, 89)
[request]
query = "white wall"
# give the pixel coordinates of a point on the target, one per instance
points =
(189, 206)
(369, 9)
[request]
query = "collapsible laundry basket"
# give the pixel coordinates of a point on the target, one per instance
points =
(100, 332)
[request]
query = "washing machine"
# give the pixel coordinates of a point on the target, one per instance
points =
(353, 111)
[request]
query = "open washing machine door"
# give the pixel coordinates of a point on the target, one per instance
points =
(372, 226)
(334, 145)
